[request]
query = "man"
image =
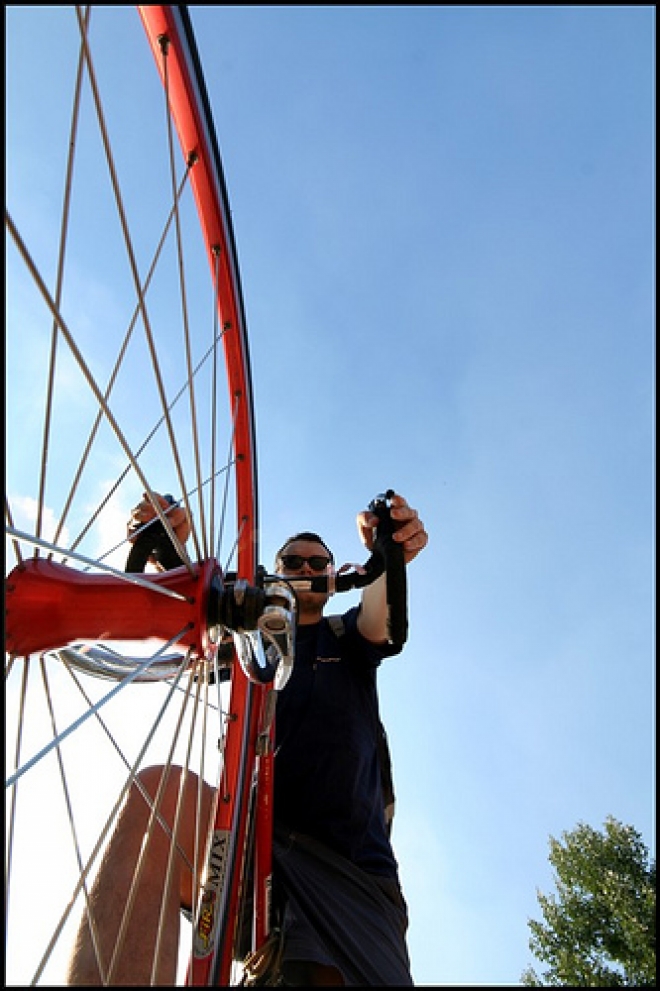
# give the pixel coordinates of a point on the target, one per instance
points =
(337, 896)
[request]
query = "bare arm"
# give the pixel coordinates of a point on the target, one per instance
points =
(372, 621)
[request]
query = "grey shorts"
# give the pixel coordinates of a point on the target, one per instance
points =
(338, 915)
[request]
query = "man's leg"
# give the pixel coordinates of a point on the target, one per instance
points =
(111, 889)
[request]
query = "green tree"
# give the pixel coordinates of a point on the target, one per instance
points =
(599, 929)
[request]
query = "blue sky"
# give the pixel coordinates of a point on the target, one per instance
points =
(445, 222)
(445, 225)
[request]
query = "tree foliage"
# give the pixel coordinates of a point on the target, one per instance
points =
(599, 929)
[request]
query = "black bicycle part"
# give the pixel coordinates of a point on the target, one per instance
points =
(391, 554)
(152, 543)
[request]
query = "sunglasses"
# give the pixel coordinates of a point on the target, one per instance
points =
(294, 562)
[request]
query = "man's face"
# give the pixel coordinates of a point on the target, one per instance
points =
(305, 559)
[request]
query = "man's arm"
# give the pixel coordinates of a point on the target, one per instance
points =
(372, 621)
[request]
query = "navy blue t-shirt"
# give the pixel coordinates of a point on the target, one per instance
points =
(327, 772)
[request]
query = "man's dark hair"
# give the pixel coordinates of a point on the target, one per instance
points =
(304, 535)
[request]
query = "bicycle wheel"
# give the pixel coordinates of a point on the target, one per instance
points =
(125, 323)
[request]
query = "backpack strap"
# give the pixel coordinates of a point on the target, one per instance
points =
(336, 624)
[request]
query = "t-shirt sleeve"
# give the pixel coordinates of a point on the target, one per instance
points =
(373, 653)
